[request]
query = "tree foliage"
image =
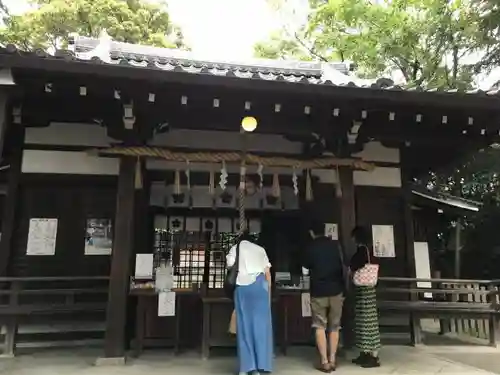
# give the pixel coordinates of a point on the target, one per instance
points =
(425, 41)
(52, 22)
(489, 14)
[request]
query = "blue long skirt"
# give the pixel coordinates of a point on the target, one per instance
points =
(254, 332)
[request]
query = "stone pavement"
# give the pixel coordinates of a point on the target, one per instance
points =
(396, 360)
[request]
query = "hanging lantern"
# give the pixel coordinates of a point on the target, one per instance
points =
(211, 183)
(338, 185)
(177, 183)
(309, 192)
(188, 176)
(177, 195)
(138, 175)
(276, 189)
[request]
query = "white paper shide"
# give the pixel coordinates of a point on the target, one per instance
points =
(383, 241)
(42, 236)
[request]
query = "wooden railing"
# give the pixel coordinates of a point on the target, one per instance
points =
(23, 298)
(469, 307)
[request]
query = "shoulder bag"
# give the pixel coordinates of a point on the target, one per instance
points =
(232, 275)
(368, 274)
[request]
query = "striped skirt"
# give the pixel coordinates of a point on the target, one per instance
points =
(366, 319)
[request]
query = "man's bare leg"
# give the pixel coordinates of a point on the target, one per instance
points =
(333, 339)
(322, 345)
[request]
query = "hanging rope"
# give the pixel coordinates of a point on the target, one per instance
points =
(233, 157)
(241, 200)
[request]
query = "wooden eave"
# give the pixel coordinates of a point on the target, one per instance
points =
(394, 95)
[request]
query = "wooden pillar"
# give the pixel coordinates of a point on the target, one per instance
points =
(415, 327)
(347, 205)
(458, 248)
(11, 151)
(123, 242)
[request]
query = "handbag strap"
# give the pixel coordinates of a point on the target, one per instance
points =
(367, 253)
(237, 258)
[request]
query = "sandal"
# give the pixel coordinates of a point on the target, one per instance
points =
(324, 367)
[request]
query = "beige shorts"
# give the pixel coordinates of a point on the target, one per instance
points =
(327, 312)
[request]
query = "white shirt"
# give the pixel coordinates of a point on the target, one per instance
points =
(252, 262)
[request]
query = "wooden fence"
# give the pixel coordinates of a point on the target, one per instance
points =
(476, 328)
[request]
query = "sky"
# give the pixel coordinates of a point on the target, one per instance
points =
(225, 29)
(228, 29)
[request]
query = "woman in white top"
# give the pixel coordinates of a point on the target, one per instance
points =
(252, 306)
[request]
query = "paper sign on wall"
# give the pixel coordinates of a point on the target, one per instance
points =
(166, 304)
(332, 231)
(422, 265)
(305, 301)
(42, 235)
(144, 266)
(383, 241)
(98, 237)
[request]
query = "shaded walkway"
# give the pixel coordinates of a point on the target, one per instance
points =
(396, 360)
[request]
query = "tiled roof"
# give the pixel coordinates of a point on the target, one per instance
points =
(446, 199)
(104, 51)
(113, 52)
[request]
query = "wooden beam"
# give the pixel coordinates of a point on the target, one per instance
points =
(123, 242)
(347, 223)
(414, 323)
(13, 157)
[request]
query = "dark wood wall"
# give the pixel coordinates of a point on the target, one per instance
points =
(71, 199)
(384, 206)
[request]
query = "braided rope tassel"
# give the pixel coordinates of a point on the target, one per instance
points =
(241, 200)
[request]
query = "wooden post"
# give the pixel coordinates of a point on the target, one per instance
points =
(347, 204)
(123, 242)
(415, 327)
(458, 247)
(13, 156)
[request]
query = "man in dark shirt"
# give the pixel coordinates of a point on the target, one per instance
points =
(323, 259)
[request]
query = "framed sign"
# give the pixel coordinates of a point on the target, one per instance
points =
(98, 237)
(383, 241)
(42, 235)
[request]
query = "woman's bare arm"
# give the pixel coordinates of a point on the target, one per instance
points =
(267, 273)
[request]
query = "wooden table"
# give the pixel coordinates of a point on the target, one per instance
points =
(287, 301)
(207, 340)
(144, 297)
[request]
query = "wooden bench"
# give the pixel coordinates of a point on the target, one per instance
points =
(13, 309)
(414, 302)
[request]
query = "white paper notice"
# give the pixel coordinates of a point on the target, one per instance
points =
(332, 231)
(305, 301)
(422, 266)
(144, 266)
(166, 304)
(383, 241)
(164, 279)
(42, 235)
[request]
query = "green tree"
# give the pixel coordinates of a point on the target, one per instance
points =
(489, 11)
(425, 41)
(52, 22)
